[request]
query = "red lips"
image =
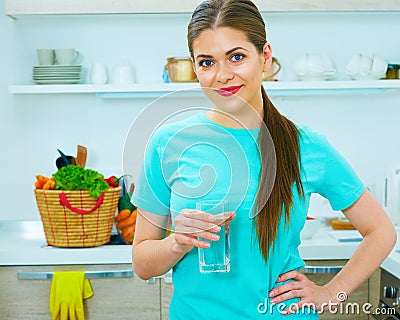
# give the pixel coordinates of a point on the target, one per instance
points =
(228, 91)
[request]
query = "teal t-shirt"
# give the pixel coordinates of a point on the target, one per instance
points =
(196, 159)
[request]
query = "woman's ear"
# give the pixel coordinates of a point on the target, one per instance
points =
(194, 66)
(267, 56)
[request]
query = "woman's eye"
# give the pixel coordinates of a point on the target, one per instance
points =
(206, 63)
(237, 57)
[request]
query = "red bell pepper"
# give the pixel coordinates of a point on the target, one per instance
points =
(112, 181)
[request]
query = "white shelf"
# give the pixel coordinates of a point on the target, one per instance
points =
(152, 90)
(104, 88)
(23, 7)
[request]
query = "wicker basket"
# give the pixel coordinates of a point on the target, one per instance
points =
(74, 219)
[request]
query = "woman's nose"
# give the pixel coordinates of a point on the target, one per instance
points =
(224, 73)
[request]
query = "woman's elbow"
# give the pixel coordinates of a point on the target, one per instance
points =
(141, 275)
(388, 236)
(137, 267)
(393, 238)
(141, 272)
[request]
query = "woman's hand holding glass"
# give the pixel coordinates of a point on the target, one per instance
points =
(191, 224)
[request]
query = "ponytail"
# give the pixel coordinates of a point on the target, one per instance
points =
(276, 181)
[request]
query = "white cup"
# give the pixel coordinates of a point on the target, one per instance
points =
(315, 63)
(122, 74)
(66, 56)
(98, 73)
(359, 64)
(379, 66)
(45, 56)
(365, 64)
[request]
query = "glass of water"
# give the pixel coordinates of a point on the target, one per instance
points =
(216, 258)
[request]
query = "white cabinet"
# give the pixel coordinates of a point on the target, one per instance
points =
(20, 7)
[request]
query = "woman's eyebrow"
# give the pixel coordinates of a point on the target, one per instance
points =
(234, 49)
(206, 56)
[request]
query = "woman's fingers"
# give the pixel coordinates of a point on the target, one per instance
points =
(199, 226)
(310, 294)
(293, 274)
(286, 291)
(293, 289)
(207, 217)
(196, 228)
(198, 234)
(195, 221)
(198, 215)
(185, 240)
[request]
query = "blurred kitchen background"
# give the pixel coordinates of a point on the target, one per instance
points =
(363, 124)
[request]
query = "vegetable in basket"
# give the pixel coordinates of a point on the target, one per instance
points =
(77, 178)
(45, 183)
(125, 202)
(112, 181)
(126, 222)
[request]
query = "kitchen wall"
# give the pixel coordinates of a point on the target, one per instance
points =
(363, 126)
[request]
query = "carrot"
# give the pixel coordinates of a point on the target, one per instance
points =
(128, 233)
(46, 186)
(41, 181)
(50, 184)
(123, 214)
(128, 221)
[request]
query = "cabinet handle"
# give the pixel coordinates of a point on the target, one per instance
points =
(43, 275)
(321, 269)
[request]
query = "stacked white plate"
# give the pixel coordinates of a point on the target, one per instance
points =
(57, 74)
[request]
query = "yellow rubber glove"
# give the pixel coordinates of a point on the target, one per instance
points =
(68, 289)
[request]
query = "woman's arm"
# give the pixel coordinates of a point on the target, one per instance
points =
(379, 237)
(153, 254)
(151, 250)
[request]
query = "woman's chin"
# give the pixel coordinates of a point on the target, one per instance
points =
(229, 104)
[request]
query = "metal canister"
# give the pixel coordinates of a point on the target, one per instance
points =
(392, 71)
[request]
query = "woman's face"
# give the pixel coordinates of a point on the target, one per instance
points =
(227, 62)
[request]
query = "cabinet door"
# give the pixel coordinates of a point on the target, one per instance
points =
(374, 285)
(166, 293)
(114, 298)
(357, 298)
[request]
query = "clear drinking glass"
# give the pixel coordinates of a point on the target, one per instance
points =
(216, 258)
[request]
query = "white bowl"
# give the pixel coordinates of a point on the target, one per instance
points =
(310, 228)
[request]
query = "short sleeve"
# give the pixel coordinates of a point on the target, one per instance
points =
(151, 190)
(340, 183)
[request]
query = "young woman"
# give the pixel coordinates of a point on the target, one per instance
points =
(246, 152)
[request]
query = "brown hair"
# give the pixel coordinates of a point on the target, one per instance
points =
(243, 15)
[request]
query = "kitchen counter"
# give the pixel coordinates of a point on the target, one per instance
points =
(23, 243)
